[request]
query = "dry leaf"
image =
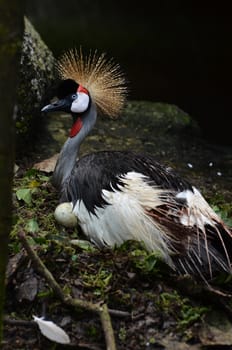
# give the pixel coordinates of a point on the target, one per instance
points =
(47, 165)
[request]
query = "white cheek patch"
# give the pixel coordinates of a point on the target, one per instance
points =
(81, 103)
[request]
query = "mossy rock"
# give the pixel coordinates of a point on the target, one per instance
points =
(36, 74)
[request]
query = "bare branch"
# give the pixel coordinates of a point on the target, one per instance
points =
(102, 310)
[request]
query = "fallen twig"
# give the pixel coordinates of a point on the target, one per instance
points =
(102, 310)
(17, 323)
(108, 329)
(119, 313)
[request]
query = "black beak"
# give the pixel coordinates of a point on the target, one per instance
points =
(59, 105)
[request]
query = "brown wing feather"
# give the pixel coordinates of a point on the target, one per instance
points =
(196, 251)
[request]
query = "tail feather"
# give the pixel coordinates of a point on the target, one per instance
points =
(205, 260)
(200, 242)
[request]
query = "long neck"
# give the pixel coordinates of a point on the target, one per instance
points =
(70, 150)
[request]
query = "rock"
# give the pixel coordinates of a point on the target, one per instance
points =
(35, 77)
(216, 331)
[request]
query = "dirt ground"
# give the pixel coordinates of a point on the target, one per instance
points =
(151, 307)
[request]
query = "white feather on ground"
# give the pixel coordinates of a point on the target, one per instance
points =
(51, 331)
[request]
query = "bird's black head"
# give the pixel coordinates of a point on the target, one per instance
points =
(66, 87)
(69, 99)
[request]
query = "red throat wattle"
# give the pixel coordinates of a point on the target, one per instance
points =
(78, 123)
(76, 127)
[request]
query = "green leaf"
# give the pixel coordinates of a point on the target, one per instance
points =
(24, 194)
(44, 178)
(32, 226)
(85, 245)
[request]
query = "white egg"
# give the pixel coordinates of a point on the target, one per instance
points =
(64, 215)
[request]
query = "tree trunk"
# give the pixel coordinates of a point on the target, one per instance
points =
(11, 33)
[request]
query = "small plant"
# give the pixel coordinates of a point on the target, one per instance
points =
(99, 282)
(122, 333)
(33, 195)
(147, 262)
(225, 213)
(190, 314)
(180, 309)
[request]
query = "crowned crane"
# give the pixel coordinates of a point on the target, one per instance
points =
(118, 196)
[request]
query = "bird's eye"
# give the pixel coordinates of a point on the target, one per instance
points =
(74, 96)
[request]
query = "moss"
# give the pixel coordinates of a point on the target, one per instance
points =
(36, 75)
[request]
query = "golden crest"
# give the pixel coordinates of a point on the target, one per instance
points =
(102, 77)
